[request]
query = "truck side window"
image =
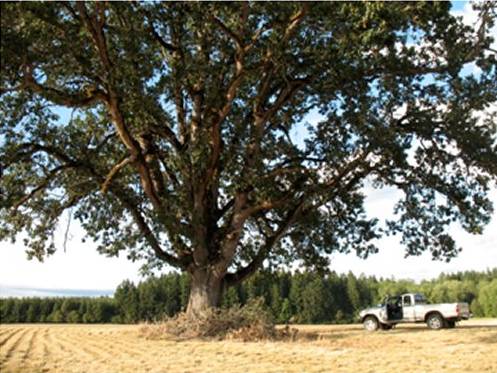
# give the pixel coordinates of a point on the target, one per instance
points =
(407, 300)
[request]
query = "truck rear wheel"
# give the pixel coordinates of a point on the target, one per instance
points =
(370, 323)
(435, 321)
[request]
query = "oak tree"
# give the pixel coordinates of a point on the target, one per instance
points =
(215, 137)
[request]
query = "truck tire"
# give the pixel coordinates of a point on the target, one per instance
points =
(371, 323)
(435, 321)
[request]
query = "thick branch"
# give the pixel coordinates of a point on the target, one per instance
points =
(170, 173)
(113, 172)
(124, 196)
(235, 278)
(34, 148)
(230, 33)
(220, 213)
(84, 98)
(164, 44)
(285, 95)
(94, 24)
(217, 143)
(149, 236)
(265, 206)
(43, 185)
(168, 134)
(294, 22)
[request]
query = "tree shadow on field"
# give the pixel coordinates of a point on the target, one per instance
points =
(490, 339)
(313, 336)
(482, 326)
(409, 328)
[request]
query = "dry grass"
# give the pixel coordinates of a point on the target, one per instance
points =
(471, 347)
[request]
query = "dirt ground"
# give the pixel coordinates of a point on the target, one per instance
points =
(471, 347)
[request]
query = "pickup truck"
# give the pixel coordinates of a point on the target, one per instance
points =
(413, 308)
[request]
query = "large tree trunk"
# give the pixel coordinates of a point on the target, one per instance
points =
(206, 290)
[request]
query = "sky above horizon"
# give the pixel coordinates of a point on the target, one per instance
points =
(81, 267)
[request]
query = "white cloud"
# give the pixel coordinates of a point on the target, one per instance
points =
(479, 252)
(80, 267)
(468, 14)
(470, 17)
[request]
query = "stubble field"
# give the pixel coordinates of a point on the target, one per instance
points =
(471, 347)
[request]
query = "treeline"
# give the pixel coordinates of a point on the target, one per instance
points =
(296, 298)
(59, 310)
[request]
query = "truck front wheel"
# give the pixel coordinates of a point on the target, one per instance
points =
(370, 323)
(435, 321)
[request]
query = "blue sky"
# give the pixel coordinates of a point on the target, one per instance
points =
(82, 268)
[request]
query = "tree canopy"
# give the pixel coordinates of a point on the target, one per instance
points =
(214, 136)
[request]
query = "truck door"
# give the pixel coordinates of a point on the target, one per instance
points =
(408, 307)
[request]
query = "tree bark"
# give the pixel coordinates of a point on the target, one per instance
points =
(206, 289)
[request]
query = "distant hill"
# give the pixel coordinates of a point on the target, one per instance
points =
(20, 292)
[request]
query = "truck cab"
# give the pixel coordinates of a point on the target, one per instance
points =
(404, 308)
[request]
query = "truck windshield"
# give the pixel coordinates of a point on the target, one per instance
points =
(419, 299)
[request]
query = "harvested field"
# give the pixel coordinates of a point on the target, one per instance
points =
(471, 347)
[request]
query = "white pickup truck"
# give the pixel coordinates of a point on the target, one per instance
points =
(413, 308)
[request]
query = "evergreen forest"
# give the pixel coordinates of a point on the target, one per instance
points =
(299, 297)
